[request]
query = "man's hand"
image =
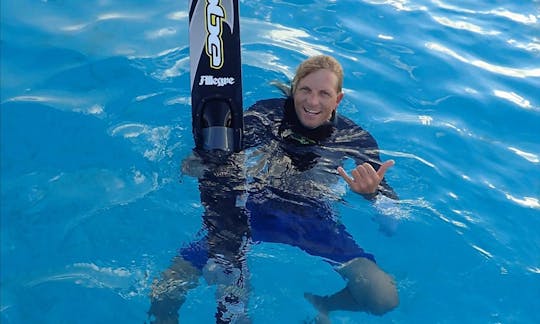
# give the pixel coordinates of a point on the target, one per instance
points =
(365, 180)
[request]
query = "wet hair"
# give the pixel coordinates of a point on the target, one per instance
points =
(316, 63)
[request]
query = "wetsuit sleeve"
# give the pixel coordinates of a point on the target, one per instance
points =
(259, 120)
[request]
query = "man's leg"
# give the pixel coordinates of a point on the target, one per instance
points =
(169, 292)
(230, 274)
(368, 289)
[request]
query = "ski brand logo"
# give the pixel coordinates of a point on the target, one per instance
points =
(210, 80)
(215, 14)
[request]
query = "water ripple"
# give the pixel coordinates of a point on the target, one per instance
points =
(507, 71)
(527, 19)
(459, 24)
(531, 157)
(100, 18)
(514, 98)
(533, 46)
(282, 36)
(150, 141)
(400, 5)
(128, 283)
(409, 156)
(65, 102)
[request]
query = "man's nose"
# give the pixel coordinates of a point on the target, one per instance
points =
(313, 99)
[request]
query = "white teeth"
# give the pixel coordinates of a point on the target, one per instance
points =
(310, 111)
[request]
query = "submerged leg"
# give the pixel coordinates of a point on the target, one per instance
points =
(169, 292)
(232, 306)
(368, 289)
(231, 280)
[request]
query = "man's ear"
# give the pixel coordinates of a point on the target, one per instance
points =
(339, 97)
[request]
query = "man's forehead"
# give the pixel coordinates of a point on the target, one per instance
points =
(326, 81)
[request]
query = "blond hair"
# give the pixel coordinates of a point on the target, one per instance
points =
(315, 63)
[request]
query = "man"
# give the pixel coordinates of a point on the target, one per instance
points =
(304, 141)
(294, 149)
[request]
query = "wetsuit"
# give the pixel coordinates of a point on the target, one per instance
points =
(288, 174)
(290, 189)
(291, 196)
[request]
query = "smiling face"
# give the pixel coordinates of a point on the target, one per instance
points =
(316, 97)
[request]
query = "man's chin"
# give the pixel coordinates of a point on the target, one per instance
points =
(310, 125)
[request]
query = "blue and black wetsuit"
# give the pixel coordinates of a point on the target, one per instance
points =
(288, 174)
(290, 199)
(289, 194)
(273, 123)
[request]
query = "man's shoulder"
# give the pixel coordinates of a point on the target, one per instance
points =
(345, 123)
(347, 131)
(273, 105)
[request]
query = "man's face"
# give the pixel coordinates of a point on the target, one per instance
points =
(316, 97)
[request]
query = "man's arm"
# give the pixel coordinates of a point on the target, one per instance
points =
(367, 178)
(259, 121)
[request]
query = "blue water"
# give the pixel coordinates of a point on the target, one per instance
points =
(95, 121)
